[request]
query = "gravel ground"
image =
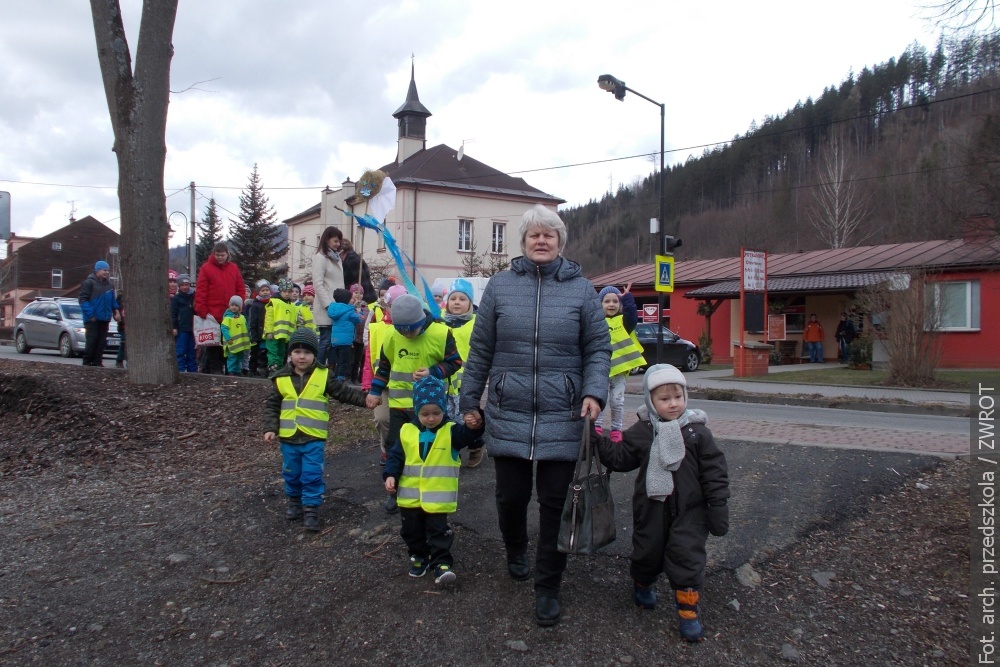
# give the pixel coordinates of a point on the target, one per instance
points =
(144, 526)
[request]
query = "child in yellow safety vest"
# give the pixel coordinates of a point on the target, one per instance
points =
(281, 318)
(375, 333)
(235, 336)
(460, 316)
(626, 353)
(422, 471)
(296, 414)
(417, 346)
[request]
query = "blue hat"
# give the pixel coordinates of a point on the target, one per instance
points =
(102, 266)
(610, 289)
(461, 285)
(429, 390)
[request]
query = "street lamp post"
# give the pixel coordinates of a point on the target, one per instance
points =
(190, 248)
(618, 88)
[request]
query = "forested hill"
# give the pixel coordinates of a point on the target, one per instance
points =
(903, 151)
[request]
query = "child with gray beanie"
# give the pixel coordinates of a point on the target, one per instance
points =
(681, 493)
(416, 347)
(235, 336)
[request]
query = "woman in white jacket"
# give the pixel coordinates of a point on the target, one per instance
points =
(327, 275)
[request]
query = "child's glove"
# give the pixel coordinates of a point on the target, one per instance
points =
(717, 518)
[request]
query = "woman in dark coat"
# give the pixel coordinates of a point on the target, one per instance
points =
(356, 271)
(542, 343)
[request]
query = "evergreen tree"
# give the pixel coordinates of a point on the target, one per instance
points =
(255, 236)
(209, 233)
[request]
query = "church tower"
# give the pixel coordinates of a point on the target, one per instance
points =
(412, 118)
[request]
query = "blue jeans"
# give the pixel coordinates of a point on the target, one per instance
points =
(302, 468)
(815, 353)
(184, 348)
(324, 345)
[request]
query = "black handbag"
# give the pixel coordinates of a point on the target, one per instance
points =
(588, 516)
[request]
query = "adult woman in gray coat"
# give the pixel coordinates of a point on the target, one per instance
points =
(542, 344)
(327, 275)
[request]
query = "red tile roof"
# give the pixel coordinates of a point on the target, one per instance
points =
(951, 254)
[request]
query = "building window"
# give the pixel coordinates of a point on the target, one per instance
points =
(56, 245)
(499, 245)
(56, 278)
(465, 235)
(953, 306)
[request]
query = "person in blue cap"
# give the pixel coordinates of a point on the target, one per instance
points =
(99, 306)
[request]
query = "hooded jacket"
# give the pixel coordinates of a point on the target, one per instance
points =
(97, 299)
(541, 340)
(217, 284)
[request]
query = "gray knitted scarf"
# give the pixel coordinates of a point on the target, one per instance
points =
(667, 452)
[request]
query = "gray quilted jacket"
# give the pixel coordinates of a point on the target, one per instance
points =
(541, 343)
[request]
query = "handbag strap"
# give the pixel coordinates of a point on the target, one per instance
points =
(586, 455)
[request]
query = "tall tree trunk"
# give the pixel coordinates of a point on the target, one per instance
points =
(138, 105)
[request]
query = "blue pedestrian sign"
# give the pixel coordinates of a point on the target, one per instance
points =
(664, 273)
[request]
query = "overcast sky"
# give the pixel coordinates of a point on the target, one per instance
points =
(306, 90)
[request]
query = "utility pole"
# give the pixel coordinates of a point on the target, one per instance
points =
(192, 267)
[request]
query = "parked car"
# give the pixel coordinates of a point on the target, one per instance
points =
(57, 324)
(681, 353)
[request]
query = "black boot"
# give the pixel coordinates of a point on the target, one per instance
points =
(546, 611)
(294, 511)
(517, 567)
(311, 519)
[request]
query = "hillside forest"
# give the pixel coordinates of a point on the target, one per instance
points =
(903, 151)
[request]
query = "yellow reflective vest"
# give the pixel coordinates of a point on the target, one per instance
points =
(239, 336)
(430, 483)
(626, 351)
(463, 341)
(279, 318)
(376, 334)
(309, 411)
(406, 355)
(304, 317)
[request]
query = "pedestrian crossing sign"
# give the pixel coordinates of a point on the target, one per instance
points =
(664, 273)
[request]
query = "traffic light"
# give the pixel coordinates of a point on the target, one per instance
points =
(670, 244)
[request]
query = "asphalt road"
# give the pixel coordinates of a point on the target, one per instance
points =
(779, 492)
(8, 351)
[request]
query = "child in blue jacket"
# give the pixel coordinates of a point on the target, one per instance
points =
(345, 317)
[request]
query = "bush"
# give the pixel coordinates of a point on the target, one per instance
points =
(705, 346)
(859, 352)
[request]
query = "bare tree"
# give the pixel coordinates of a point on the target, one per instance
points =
(493, 263)
(839, 208)
(380, 268)
(963, 15)
(907, 322)
(137, 101)
(472, 263)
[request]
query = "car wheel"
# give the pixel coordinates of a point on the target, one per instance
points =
(21, 343)
(691, 362)
(66, 347)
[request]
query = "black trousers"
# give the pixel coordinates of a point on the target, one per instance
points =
(215, 360)
(513, 492)
(357, 361)
(96, 336)
(338, 359)
(397, 418)
(427, 535)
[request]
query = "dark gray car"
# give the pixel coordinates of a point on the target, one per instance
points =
(56, 324)
(683, 354)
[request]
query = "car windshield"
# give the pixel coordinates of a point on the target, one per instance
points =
(71, 311)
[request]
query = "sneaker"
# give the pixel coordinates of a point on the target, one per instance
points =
(383, 457)
(475, 457)
(390, 504)
(443, 575)
(687, 609)
(294, 511)
(418, 566)
(310, 519)
(119, 364)
(616, 436)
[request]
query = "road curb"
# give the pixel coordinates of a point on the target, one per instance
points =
(841, 402)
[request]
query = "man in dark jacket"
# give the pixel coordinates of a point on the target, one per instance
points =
(182, 321)
(99, 306)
